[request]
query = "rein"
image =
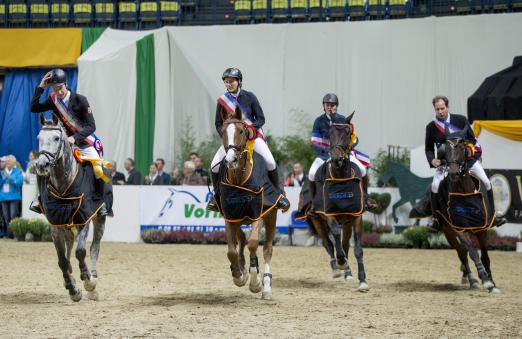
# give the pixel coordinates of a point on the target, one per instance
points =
(53, 157)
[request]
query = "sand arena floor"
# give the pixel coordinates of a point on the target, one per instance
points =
(187, 291)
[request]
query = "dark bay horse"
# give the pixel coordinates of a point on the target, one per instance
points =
(463, 203)
(336, 228)
(239, 165)
(58, 168)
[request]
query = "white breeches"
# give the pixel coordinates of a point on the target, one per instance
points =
(90, 152)
(260, 147)
(318, 162)
(476, 170)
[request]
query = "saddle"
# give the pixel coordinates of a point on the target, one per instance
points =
(338, 196)
(79, 203)
(251, 200)
(465, 212)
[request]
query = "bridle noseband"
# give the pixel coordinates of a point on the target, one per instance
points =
(461, 164)
(239, 150)
(345, 149)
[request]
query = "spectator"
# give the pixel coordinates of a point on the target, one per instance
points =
(297, 177)
(117, 177)
(190, 177)
(152, 178)
(30, 173)
(11, 181)
(176, 176)
(163, 178)
(134, 177)
(203, 172)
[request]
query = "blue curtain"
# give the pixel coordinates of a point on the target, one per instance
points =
(18, 126)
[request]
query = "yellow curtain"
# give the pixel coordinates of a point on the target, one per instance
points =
(40, 47)
(509, 129)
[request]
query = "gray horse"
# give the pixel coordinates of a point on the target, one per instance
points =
(57, 169)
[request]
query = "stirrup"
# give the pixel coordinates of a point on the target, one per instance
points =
(212, 205)
(35, 208)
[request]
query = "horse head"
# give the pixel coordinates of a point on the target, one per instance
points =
(235, 137)
(340, 142)
(52, 141)
(457, 151)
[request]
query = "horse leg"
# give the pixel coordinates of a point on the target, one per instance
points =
(69, 245)
(395, 206)
(98, 230)
(270, 227)
(63, 262)
(484, 258)
(242, 242)
(238, 276)
(347, 234)
(462, 252)
(473, 253)
(335, 231)
(81, 253)
(255, 283)
(327, 244)
(361, 274)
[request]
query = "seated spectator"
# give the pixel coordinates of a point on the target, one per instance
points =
(163, 177)
(152, 178)
(297, 177)
(190, 177)
(30, 172)
(117, 177)
(134, 177)
(11, 181)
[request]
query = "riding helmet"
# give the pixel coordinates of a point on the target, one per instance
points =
(330, 98)
(58, 77)
(232, 73)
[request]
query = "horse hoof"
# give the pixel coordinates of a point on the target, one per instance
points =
(475, 286)
(363, 287)
(348, 275)
(337, 273)
(495, 290)
(266, 295)
(241, 281)
(255, 285)
(488, 285)
(93, 295)
(89, 284)
(342, 266)
(76, 296)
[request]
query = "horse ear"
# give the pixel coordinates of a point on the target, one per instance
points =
(349, 118)
(223, 113)
(55, 120)
(42, 120)
(237, 113)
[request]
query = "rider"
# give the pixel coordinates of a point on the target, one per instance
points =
(74, 112)
(254, 118)
(435, 135)
(321, 139)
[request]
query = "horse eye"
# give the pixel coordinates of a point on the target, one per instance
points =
(241, 132)
(56, 139)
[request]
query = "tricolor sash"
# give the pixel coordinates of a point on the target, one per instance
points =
(452, 128)
(229, 103)
(73, 125)
(363, 158)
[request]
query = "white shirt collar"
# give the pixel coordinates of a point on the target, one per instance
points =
(67, 97)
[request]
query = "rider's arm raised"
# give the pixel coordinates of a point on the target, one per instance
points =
(36, 105)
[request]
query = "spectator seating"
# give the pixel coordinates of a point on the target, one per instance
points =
(60, 12)
(170, 12)
(397, 8)
(316, 9)
(259, 10)
(82, 12)
(38, 13)
(298, 10)
(3, 20)
(16, 13)
(104, 13)
(337, 9)
(356, 9)
(242, 11)
(279, 10)
(376, 9)
(127, 15)
(149, 14)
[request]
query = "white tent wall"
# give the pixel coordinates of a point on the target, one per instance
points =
(388, 71)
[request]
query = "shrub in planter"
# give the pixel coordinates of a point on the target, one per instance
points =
(389, 240)
(438, 241)
(153, 236)
(368, 226)
(417, 235)
(19, 227)
(370, 240)
(381, 229)
(39, 228)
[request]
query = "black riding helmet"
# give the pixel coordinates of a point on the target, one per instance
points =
(232, 73)
(330, 98)
(58, 77)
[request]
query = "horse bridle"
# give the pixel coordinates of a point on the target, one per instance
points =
(343, 148)
(461, 164)
(236, 148)
(53, 157)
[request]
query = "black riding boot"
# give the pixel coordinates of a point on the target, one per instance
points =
(491, 209)
(370, 203)
(283, 203)
(99, 190)
(435, 226)
(212, 203)
(35, 205)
